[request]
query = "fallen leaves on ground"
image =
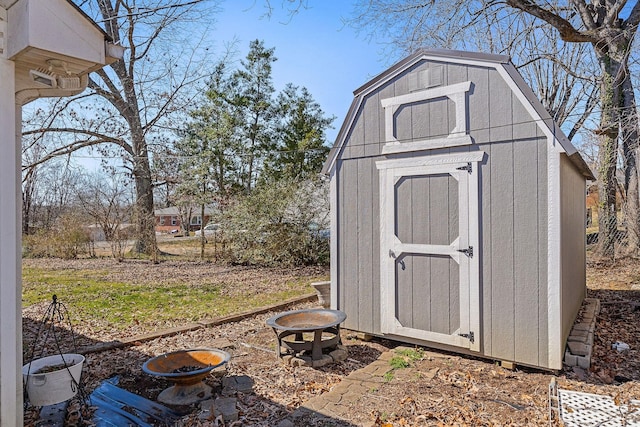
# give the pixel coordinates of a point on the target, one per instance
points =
(437, 389)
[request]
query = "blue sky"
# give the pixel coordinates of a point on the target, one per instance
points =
(314, 48)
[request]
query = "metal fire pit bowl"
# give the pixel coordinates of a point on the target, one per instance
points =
(188, 387)
(316, 321)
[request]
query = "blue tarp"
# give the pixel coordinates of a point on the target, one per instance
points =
(118, 407)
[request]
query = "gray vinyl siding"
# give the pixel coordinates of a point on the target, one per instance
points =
(513, 219)
(573, 242)
(358, 244)
(514, 263)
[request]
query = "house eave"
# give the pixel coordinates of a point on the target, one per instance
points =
(78, 47)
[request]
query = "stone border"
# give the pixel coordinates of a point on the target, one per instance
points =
(580, 341)
(127, 342)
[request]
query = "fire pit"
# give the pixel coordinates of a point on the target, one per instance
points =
(324, 324)
(187, 369)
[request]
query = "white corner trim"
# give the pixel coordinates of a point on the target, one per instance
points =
(554, 261)
(458, 135)
(333, 237)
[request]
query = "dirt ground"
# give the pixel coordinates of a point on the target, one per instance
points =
(434, 389)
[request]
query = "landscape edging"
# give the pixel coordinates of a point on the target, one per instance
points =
(126, 342)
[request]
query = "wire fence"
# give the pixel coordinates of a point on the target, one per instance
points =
(610, 235)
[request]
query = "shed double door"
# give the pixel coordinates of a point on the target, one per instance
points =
(429, 249)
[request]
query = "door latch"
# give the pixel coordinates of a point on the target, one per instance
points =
(468, 336)
(468, 251)
(393, 255)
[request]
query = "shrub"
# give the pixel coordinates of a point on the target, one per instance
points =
(68, 240)
(279, 223)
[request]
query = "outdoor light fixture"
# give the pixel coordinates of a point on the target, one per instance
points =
(49, 78)
(44, 77)
(69, 82)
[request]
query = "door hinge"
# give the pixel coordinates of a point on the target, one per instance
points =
(468, 336)
(468, 251)
(467, 168)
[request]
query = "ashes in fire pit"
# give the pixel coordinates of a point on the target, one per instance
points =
(186, 369)
(314, 331)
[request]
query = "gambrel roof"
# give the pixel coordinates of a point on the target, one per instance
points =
(501, 63)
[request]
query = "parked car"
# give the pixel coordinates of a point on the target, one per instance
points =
(317, 230)
(209, 230)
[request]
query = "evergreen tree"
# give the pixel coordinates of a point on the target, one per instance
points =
(301, 150)
(255, 99)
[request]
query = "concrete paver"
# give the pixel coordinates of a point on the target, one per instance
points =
(336, 403)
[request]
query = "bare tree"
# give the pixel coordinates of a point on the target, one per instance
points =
(131, 103)
(108, 200)
(47, 190)
(608, 27)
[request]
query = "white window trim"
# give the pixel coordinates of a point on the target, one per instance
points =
(458, 135)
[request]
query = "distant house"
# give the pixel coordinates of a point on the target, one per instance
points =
(169, 220)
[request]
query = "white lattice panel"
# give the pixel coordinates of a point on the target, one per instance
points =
(587, 410)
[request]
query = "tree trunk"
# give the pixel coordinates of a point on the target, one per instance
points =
(629, 132)
(203, 238)
(145, 217)
(607, 154)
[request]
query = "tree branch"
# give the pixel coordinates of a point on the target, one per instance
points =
(585, 14)
(634, 17)
(70, 148)
(567, 32)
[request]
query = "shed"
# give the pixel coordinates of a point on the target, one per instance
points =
(458, 211)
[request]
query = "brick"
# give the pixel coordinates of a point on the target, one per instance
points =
(206, 410)
(570, 359)
(584, 361)
(238, 383)
(342, 387)
(578, 348)
(578, 335)
(226, 406)
(316, 403)
(387, 355)
(582, 326)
